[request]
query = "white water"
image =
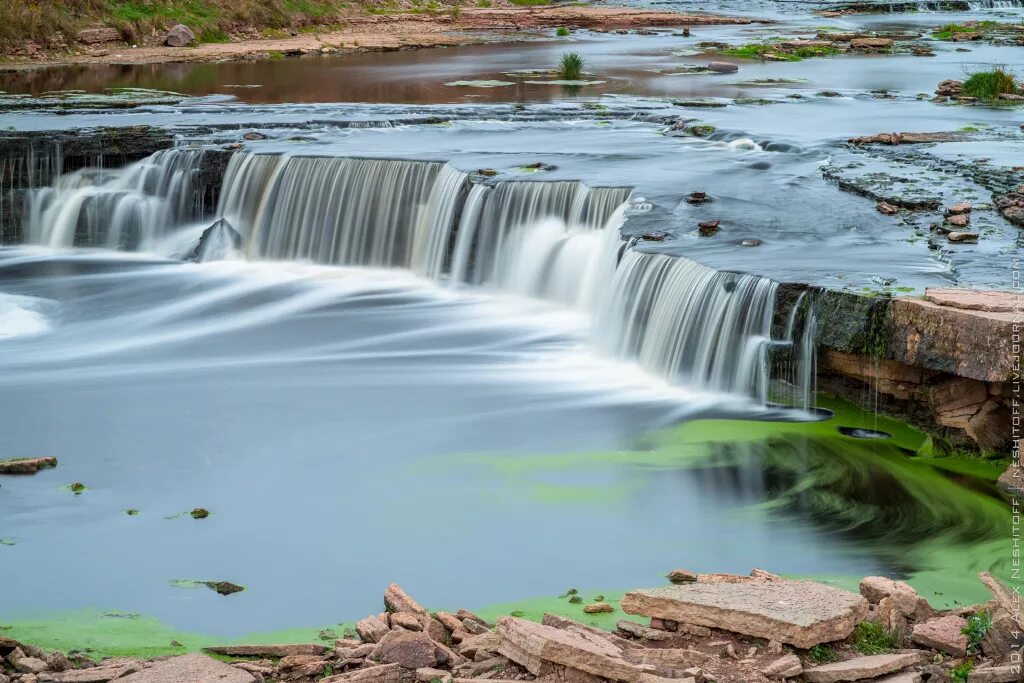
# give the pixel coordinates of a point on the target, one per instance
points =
(552, 240)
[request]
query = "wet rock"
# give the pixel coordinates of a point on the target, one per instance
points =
(787, 666)
(860, 668)
(598, 608)
(903, 138)
(708, 228)
(871, 44)
(962, 207)
(682, 576)
(957, 236)
(179, 36)
(887, 208)
(26, 465)
(190, 668)
(487, 172)
(801, 613)
(723, 67)
(949, 88)
(285, 650)
(397, 600)
(960, 220)
(943, 634)
(654, 236)
(750, 243)
(408, 649)
(697, 198)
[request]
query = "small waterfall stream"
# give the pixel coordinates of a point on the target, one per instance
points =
(552, 240)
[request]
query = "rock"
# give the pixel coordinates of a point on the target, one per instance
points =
(664, 625)
(907, 601)
(253, 135)
(1007, 599)
(27, 665)
(956, 236)
(450, 621)
(902, 677)
(487, 172)
(801, 613)
(531, 645)
(428, 675)
(408, 649)
(1003, 637)
(488, 642)
(887, 208)
(995, 674)
(636, 630)
(903, 138)
(949, 88)
(563, 623)
(26, 465)
(598, 608)
(397, 600)
(706, 229)
(942, 633)
(962, 207)
(654, 236)
(750, 243)
(697, 198)
(372, 629)
(888, 614)
(387, 673)
(723, 67)
(682, 576)
(105, 671)
(871, 44)
(224, 587)
(407, 621)
(960, 220)
(190, 668)
(860, 668)
(787, 666)
(94, 36)
(56, 661)
(1012, 97)
(179, 36)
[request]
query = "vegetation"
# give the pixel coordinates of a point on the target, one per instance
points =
(976, 628)
(769, 50)
(871, 638)
(529, 3)
(571, 66)
(562, 32)
(961, 671)
(989, 85)
(823, 654)
(948, 31)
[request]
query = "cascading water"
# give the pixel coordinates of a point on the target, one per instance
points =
(553, 240)
(123, 208)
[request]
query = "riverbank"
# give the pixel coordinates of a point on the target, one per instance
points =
(725, 628)
(365, 32)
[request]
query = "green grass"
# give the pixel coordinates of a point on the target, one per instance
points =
(562, 32)
(822, 654)
(529, 3)
(571, 66)
(762, 50)
(871, 638)
(946, 32)
(961, 671)
(483, 3)
(989, 85)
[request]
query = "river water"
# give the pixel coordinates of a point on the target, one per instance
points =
(393, 367)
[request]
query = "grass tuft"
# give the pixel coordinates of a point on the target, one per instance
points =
(823, 654)
(871, 638)
(571, 66)
(989, 85)
(977, 626)
(562, 32)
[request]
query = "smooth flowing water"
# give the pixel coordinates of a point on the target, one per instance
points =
(478, 328)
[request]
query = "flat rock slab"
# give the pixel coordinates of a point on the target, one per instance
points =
(26, 465)
(801, 613)
(972, 300)
(944, 634)
(994, 674)
(285, 650)
(191, 668)
(861, 667)
(902, 677)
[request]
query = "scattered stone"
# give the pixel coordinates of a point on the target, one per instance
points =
(750, 243)
(787, 666)
(682, 576)
(1003, 637)
(907, 601)
(253, 135)
(285, 650)
(179, 36)
(387, 673)
(963, 236)
(407, 621)
(723, 67)
(902, 677)
(372, 629)
(774, 647)
(887, 208)
(450, 621)
(190, 668)
(960, 220)
(397, 600)
(428, 675)
(654, 236)
(408, 649)
(801, 613)
(871, 44)
(486, 642)
(962, 207)
(200, 513)
(1006, 598)
(631, 628)
(26, 465)
(697, 198)
(706, 229)
(598, 608)
(487, 172)
(942, 633)
(860, 668)
(949, 88)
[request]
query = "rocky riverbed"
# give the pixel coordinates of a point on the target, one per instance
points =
(702, 628)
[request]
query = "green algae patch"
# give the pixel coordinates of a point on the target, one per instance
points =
(535, 608)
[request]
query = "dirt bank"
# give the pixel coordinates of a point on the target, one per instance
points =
(372, 32)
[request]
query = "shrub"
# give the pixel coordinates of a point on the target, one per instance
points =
(562, 32)
(871, 638)
(571, 66)
(961, 671)
(989, 85)
(976, 628)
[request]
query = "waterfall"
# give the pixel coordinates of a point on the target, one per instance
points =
(690, 323)
(122, 208)
(555, 240)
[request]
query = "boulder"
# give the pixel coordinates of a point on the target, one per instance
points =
(786, 666)
(682, 575)
(428, 675)
(372, 629)
(598, 608)
(949, 88)
(871, 44)
(942, 633)
(887, 208)
(723, 67)
(267, 650)
(408, 649)
(906, 599)
(801, 613)
(1006, 598)
(190, 668)
(962, 207)
(859, 668)
(407, 621)
(179, 36)
(532, 645)
(397, 600)
(450, 621)
(1003, 637)
(487, 642)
